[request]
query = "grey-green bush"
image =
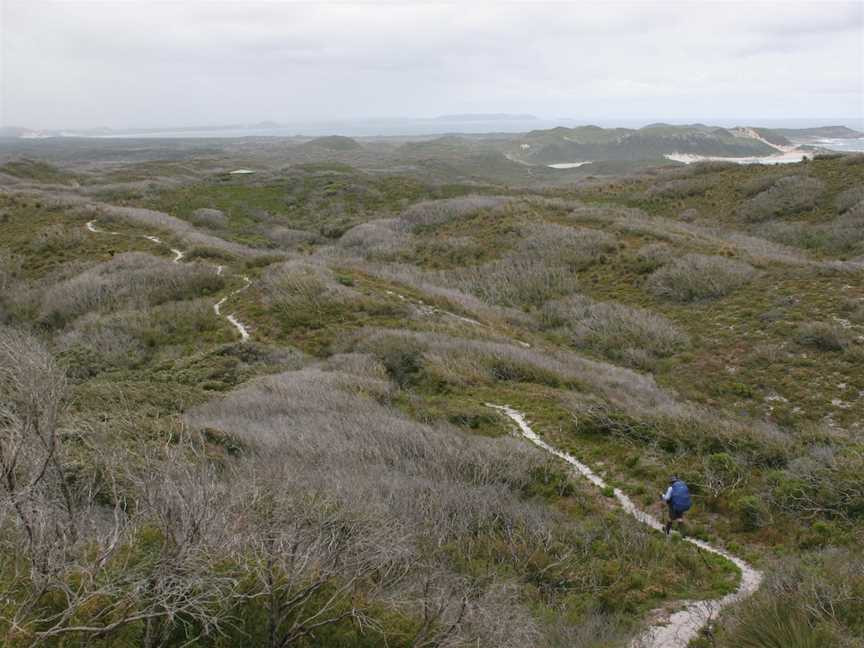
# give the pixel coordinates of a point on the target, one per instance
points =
(788, 195)
(696, 276)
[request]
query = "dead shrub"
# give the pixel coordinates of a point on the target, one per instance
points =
(619, 332)
(695, 277)
(287, 237)
(431, 213)
(131, 279)
(214, 218)
(380, 239)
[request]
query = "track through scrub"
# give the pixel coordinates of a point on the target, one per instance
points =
(679, 628)
(179, 255)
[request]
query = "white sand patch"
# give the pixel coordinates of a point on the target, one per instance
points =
(241, 328)
(568, 165)
(426, 309)
(786, 157)
(91, 226)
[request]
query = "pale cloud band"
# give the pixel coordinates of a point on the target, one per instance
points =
(137, 63)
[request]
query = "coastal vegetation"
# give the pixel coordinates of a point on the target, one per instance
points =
(338, 479)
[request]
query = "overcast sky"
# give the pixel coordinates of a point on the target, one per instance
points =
(139, 63)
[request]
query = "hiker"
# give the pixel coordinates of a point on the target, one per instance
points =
(677, 498)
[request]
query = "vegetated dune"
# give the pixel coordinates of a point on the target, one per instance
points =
(338, 473)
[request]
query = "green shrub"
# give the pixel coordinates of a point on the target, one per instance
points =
(821, 336)
(650, 257)
(781, 624)
(753, 513)
(403, 360)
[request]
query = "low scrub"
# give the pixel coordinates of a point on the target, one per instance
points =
(848, 199)
(843, 235)
(288, 237)
(786, 196)
(822, 336)
(652, 256)
(214, 218)
(517, 282)
(684, 188)
(380, 239)
(131, 279)
(461, 363)
(696, 277)
(431, 213)
(544, 266)
(623, 333)
(807, 602)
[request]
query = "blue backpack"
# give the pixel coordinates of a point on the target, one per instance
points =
(680, 499)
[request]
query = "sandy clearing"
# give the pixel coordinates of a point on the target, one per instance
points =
(568, 165)
(786, 157)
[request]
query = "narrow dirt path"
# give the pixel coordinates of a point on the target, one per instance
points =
(678, 629)
(179, 255)
(217, 307)
(428, 309)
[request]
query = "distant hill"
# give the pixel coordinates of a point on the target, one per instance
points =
(561, 144)
(445, 146)
(839, 132)
(335, 143)
(484, 117)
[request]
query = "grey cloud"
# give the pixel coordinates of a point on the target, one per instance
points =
(145, 63)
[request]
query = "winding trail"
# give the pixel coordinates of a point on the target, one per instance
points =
(217, 307)
(673, 631)
(433, 310)
(679, 628)
(179, 255)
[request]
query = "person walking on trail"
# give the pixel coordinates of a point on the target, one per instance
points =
(677, 498)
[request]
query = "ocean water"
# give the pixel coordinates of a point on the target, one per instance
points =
(431, 127)
(837, 144)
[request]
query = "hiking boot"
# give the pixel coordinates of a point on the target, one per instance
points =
(667, 528)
